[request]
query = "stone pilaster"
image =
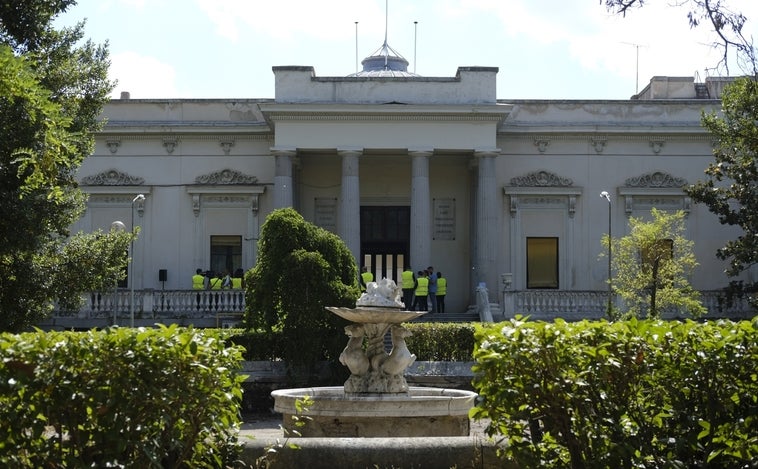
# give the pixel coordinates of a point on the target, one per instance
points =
(349, 226)
(485, 267)
(421, 217)
(283, 189)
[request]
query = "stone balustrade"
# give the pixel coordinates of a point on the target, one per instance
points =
(224, 308)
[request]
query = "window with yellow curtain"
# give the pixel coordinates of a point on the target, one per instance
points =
(542, 262)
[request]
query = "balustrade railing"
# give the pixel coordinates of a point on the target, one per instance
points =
(579, 304)
(158, 304)
(209, 305)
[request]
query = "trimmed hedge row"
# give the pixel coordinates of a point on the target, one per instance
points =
(429, 342)
(633, 394)
(166, 397)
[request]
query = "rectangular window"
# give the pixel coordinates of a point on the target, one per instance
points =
(542, 262)
(226, 253)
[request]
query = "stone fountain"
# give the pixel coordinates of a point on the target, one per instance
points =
(376, 400)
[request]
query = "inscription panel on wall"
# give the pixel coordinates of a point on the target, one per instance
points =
(325, 211)
(444, 219)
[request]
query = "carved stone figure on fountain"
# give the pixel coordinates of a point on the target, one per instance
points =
(400, 358)
(353, 357)
(383, 293)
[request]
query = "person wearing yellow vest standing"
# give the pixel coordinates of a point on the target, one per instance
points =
(422, 290)
(198, 280)
(441, 292)
(198, 283)
(366, 277)
(408, 282)
(237, 281)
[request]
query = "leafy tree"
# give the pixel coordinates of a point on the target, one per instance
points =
(731, 191)
(727, 25)
(301, 269)
(651, 266)
(52, 89)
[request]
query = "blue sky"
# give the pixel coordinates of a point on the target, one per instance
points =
(544, 49)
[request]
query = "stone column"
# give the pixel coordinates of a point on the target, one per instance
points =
(283, 189)
(421, 217)
(349, 224)
(485, 266)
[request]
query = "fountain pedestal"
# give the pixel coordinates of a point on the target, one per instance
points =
(376, 400)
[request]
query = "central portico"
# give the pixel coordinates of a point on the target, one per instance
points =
(421, 148)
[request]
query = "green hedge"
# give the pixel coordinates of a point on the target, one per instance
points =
(429, 342)
(165, 397)
(635, 394)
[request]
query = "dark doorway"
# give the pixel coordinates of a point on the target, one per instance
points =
(385, 240)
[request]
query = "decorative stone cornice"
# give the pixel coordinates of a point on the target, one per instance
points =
(541, 143)
(226, 144)
(112, 177)
(658, 179)
(598, 143)
(657, 144)
(226, 177)
(113, 144)
(169, 143)
(541, 179)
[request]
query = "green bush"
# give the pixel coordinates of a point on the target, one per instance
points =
(634, 394)
(430, 342)
(452, 342)
(165, 397)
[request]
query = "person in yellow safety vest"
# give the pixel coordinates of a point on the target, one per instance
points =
(408, 282)
(366, 277)
(441, 292)
(215, 281)
(422, 290)
(237, 279)
(198, 280)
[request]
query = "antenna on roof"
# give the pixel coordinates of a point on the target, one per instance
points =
(415, 35)
(356, 47)
(637, 66)
(386, 15)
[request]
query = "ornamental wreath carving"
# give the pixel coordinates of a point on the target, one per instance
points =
(226, 176)
(541, 179)
(112, 177)
(656, 179)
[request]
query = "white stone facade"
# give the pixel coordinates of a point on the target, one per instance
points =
(479, 175)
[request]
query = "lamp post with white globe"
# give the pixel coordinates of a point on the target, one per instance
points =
(117, 225)
(609, 311)
(138, 198)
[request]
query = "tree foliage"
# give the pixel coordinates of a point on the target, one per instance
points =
(301, 269)
(652, 264)
(731, 190)
(727, 24)
(52, 89)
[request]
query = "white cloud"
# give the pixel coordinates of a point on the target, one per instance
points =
(142, 76)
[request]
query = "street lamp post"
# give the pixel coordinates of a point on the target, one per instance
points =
(116, 226)
(140, 198)
(609, 311)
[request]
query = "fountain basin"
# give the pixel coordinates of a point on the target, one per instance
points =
(426, 412)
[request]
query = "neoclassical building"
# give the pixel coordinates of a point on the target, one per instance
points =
(406, 169)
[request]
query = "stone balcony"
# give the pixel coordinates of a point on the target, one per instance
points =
(224, 308)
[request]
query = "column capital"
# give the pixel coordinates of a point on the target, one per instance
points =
(421, 151)
(486, 152)
(283, 151)
(350, 151)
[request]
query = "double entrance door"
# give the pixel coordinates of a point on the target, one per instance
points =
(385, 240)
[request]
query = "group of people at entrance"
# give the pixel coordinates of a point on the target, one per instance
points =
(210, 280)
(422, 291)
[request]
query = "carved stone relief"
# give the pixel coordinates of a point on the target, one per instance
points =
(112, 177)
(655, 179)
(541, 179)
(226, 176)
